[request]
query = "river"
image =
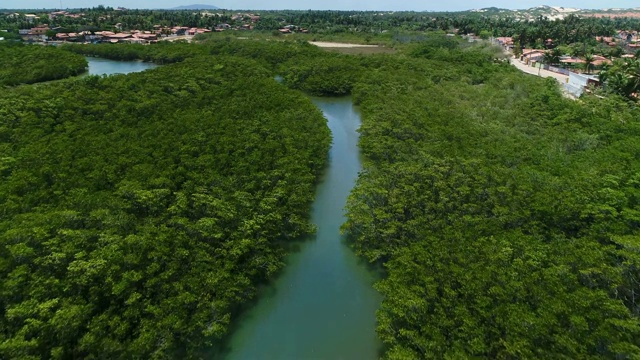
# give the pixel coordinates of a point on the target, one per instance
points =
(322, 305)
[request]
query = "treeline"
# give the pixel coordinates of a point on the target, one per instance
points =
(138, 212)
(23, 64)
(160, 53)
(506, 216)
(105, 18)
(370, 25)
(303, 66)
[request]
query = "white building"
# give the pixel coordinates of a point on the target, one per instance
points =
(577, 83)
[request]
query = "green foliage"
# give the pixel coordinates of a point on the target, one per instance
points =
(161, 53)
(22, 64)
(139, 212)
(622, 78)
(326, 75)
(504, 215)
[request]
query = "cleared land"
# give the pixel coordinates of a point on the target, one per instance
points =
(353, 49)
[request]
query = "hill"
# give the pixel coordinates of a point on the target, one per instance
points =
(195, 7)
(554, 12)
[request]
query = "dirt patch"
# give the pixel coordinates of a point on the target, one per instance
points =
(326, 44)
(629, 14)
(361, 50)
(353, 49)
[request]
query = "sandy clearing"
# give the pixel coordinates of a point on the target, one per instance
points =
(325, 44)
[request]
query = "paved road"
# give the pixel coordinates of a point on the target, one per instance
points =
(562, 79)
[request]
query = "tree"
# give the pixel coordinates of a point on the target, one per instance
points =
(588, 62)
(622, 77)
(551, 57)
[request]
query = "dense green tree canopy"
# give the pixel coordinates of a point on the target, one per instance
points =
(504, 215)
(140, 211)
(23, 64)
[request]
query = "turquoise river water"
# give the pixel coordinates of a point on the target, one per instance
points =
(98, 66)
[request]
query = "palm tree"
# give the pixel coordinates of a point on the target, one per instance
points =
(604, 74)
(551, 57)
(588, 62)
(632, 71)
(547, 58)
(622, 77)
(618, 83)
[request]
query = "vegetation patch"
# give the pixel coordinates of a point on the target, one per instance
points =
(140, 211)
(28, 64)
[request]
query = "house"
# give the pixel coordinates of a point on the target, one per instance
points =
(31, 17)
(119, 36)
(112, 37)
(84, 35)
(105, 34)
(145, 37)
(180, 30)
(134, 40)
(55, 14)
(571, 61)
(40, 30)
(549, 44)
(600, 60)
(94, 38)
(530, 55)
(34, 34)
(505, 42)
(579, 82)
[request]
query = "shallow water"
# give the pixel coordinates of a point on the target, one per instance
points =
(99, 66)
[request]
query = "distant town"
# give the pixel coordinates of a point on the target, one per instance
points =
(52, 27)
(572, 45)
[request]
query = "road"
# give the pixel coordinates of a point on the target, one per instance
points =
(562, 79)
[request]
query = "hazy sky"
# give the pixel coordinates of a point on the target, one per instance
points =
(417, 5)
